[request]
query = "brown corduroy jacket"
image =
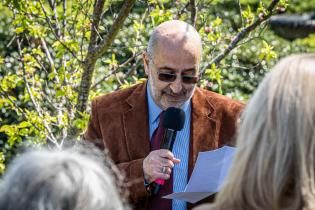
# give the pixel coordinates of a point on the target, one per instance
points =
(119, 122)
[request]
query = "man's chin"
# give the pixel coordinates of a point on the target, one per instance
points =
(177, 104)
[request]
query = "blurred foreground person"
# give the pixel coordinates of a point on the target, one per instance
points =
(59, 180)
(274, 167)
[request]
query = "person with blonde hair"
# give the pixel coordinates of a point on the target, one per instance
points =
(60, 180)
(274, 166)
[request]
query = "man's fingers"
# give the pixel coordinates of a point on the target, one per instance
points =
(164, 153)
(160, 173)
(158, 165)
(167, 170)
(175, 160)
(167, 162)
(162, 176)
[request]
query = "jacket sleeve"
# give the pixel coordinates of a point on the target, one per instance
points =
(132, 170)
(232, 119)
(93, 131)
(134, 180)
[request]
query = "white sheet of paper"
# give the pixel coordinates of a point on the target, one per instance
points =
(208, 175)
(191, 197)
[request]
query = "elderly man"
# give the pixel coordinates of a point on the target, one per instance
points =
(125, 120)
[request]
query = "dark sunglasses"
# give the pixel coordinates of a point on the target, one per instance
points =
(171, 77)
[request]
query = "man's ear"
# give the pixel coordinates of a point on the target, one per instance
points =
(145, 59)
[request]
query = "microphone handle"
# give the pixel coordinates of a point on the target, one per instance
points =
(167, 143)
(156, 189)
(168, 139)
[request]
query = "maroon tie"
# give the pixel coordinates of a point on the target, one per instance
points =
(156, 202)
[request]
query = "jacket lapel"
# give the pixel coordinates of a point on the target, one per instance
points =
(203, 134)
(135, 121)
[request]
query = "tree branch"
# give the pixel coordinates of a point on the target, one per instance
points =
(50, 136)
(56, 26)
(116, 69)
(98, 8)
(50, 60)
(103, 46)
(179, 13)
(54, 32)
(64, 23)
(240, 9)
(18, 110)
(259, 36)
(55, 18)
(193, 11)
(95, 53)
(241, 35)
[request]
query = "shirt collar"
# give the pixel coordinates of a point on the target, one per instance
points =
(155, 110)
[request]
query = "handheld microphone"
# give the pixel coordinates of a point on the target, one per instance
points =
(173, 121)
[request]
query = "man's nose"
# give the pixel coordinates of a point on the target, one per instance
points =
(177, 85)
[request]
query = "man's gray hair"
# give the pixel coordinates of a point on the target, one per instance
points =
(59, 180)
(151, 44)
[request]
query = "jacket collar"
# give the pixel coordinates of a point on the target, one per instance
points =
(135, 121)
(203, 135)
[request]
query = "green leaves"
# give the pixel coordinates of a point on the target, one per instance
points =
(54, 42)
(4, 102)
(16, 132)
(113, 63)
(214, 74)
(217, 22)
(19, 30)
(81, 123)
(267, 52)
(63, 47)
(2, 165)
(248, 15)
(137, 26)
(213, 30)
(308, 42)
(36, 31)
(160, 15)
(283, 4)
(10, 82)
(30, 63)
(135, 81)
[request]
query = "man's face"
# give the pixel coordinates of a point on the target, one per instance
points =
(169, 62)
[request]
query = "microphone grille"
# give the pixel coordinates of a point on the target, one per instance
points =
(174, 118)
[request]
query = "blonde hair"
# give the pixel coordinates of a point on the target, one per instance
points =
(274, 164)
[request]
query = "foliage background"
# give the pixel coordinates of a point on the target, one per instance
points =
(43, 45)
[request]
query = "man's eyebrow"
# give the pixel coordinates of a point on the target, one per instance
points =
(172, 69)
